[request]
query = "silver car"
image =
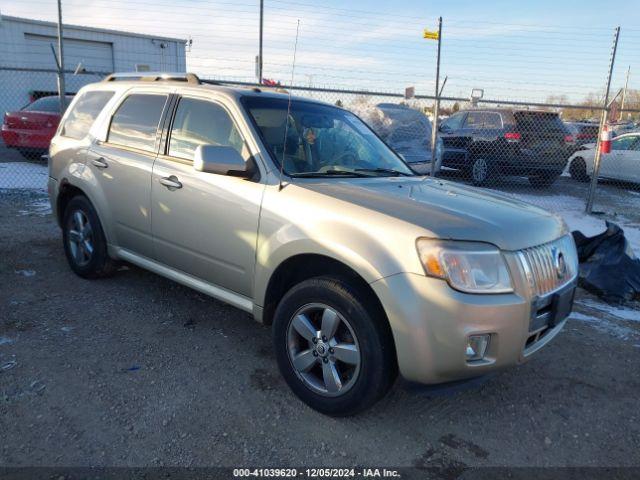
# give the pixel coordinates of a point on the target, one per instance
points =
(296, 212)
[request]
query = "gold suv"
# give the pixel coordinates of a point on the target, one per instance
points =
(295, 211)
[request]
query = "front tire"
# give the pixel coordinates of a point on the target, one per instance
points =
(481, 171)
(85, 245)
(334, 346)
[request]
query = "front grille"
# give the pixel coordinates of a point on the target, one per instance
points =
(541, 265)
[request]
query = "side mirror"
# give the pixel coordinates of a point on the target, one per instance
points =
(220, 160)
(444, 128)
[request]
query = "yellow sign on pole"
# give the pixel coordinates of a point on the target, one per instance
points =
(428, 34)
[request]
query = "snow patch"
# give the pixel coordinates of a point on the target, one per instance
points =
(23, 175)
(39, 208)
(26, 273)
(628, 314)
(604, 326)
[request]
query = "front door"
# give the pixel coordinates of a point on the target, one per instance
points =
(205, 224)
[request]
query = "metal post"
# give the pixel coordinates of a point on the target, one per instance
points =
(624, 93)
(436, 105)
(603, 121)
(260, 42)
(61, 86)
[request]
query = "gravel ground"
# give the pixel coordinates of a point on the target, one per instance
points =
(138, 371)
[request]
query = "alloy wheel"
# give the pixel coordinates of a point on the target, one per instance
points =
(80, 237)
(480, 170)
(323, 350)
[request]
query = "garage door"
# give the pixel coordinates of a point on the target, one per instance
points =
(95, 56)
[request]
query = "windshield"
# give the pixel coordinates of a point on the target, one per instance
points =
(319, 140)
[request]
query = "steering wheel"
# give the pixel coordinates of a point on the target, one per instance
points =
(345, 159)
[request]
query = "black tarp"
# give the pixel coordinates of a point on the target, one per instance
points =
(608, 266)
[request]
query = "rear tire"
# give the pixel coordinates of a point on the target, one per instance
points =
(85, 245)
(578, 170)
(339, 371)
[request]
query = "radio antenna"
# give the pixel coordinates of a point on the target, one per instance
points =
(286, 120)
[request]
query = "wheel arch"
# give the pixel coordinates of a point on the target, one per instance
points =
(300, 267)
(66, 192)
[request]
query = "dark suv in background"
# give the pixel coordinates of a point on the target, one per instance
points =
(486, 143)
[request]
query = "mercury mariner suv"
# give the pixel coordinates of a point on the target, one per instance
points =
(296, 212)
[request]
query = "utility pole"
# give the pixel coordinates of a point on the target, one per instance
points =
(624, 93)
(61, 86)
(436, 106)
(260, 42)
(603, 122)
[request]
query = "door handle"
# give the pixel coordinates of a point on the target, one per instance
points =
(172, 182)
(99, 162)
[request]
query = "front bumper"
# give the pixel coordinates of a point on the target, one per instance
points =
(431, 323)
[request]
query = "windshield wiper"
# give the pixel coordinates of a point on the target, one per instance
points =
(329, 173)
(390, 171)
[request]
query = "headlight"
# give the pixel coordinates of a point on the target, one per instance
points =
(467, 266)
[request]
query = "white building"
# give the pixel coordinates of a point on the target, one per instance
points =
(28, 67)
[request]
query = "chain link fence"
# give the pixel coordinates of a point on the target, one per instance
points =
(539, 153)
(31, 117)
(542, 154)
(536, 141)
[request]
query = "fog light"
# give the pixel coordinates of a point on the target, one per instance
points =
(477, 347)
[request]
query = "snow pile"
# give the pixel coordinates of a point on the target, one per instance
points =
(23, 175)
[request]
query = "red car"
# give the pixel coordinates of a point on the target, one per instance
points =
(31, 129)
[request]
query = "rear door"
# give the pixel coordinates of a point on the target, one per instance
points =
(485, 128)
(122, 166)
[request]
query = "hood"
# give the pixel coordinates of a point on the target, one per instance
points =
(449, 210)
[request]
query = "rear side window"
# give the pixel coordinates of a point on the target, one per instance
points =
(84, 113)
(135, 123)
(198, 122)
(483, 120)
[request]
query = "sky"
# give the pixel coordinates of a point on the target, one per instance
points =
(512, 50)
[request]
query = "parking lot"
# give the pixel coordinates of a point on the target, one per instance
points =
(138, 371)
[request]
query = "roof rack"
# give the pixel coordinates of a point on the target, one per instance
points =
(155, 77)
